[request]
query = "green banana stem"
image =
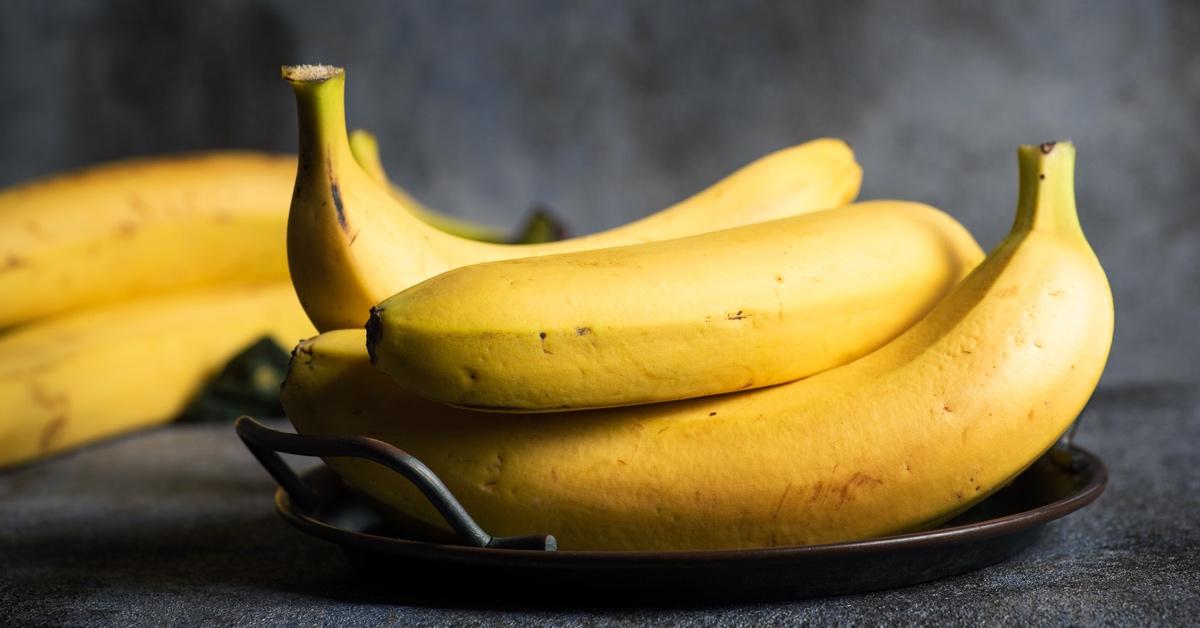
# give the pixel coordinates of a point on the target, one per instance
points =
(320, 103)
(1047, 198)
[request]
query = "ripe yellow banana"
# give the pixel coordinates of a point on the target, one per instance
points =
(740, 308)
(898, 440)
(539, 227)
(365, 149)
(351, 244)
(142, 226)
(83, 376)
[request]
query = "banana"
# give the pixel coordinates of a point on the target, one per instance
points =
(539, 227)
(740, 308)
(124, 229)
(365, 150)
(898, 440)
(351, 244)
(159, 224)
(80, 377)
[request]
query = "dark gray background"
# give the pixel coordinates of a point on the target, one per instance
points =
(609, 110)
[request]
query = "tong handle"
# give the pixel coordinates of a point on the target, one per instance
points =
(266, 444)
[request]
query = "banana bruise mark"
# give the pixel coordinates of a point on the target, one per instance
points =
(51, 431)
(779, 506)
(12, 262)
(57, 405)
(337, 205)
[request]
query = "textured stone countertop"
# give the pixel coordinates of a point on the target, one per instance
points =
(177, 526)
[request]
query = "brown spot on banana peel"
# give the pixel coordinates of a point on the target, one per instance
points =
(35, 230)
(779, 506)
(52, 429)
(858, 480)
(138, 206)
(13, 262)
(53, 403)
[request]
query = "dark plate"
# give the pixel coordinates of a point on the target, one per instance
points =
(996, 529)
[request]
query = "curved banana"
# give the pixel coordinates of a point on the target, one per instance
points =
(539, 227)
(898, 440)
(365, 149)
(351, 245)
(159, 224)
(78, 378)
(130, 228)
(740, 308)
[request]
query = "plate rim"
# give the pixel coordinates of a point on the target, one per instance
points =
(975, 531)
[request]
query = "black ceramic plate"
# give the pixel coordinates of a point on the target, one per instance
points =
(996, 529)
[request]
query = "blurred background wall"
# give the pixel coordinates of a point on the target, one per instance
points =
(608, 110)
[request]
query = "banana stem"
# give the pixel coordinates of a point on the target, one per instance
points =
(320, 103)
(1047, 198)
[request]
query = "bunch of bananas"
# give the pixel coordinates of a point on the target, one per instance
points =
(740, 370)
(125, 287)
(765, 363)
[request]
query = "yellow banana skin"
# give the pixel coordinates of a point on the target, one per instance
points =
(100, 372)
(730, 310)
(538, 227)
(898, 440)
(351, 244)
(365, 149)
(151, 225)
(126, 229)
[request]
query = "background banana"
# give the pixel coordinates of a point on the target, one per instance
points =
(740, 308)
(144, 277)
(125, 229)
(351, 244)
(898, 440)
(99, 372)
(538, 227)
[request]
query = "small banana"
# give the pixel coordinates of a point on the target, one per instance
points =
(351, 244)
(898, 440)
(729, 310)
(99, 372)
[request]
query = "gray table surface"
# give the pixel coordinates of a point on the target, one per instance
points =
(176, 526)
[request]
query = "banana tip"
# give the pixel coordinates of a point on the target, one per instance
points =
(374, 329)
